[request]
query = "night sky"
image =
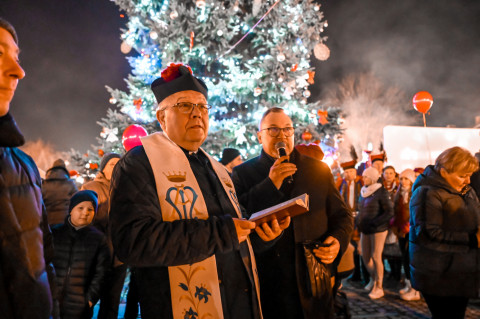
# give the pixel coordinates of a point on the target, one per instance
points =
(71, 50)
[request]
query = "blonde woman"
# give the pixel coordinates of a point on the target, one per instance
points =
(444, 234)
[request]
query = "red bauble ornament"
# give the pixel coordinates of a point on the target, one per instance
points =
(73, 173)
(422, 101)
(93, 166)
(101, 152)
(307, 136)
(131, 136)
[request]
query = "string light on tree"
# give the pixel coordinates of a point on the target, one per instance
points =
(200, 4)
(243, 81)
(153, 35)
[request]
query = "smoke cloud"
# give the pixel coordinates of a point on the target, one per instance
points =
(429, 45)
(368, 106)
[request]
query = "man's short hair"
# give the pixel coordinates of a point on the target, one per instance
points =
(4, 24)
(270, 110)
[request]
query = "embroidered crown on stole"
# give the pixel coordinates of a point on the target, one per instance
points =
(182, 198)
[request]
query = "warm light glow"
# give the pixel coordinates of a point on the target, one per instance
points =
(415, 146)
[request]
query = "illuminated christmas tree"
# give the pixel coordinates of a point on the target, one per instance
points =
(251, 54)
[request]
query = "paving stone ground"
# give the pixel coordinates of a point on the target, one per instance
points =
(391, 306)
(362, 307)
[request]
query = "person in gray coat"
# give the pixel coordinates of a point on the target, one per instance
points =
(57, 189)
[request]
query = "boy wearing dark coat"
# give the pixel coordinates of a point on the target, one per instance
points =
(81, 258)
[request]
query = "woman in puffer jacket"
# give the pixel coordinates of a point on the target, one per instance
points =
(81, 258)
(444, 234)
(375, 209)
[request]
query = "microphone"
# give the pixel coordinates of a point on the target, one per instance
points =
(280, 146)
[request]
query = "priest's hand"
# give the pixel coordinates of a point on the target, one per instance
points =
(243, 228)
(328, 250)
(271, 230)
(279, 171)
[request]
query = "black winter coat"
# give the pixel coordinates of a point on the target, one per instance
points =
(374, 212)
(142, 239)
(444, 258)
(57, 189)
(26, 248)
(81, 262)
(282, 269)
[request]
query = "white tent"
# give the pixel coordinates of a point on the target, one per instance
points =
(416, 146)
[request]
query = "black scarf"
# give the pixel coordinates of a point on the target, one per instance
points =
(10, 135)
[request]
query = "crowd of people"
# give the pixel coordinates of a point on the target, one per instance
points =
(432, 216)
(178, 220)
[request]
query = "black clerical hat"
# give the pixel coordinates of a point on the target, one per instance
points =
(176, 78)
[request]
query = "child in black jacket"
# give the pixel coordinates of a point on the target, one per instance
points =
(81, 258)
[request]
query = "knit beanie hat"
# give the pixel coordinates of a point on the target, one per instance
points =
(228, 155)
(84, 196)
(177, 77)
(371, 173)
(106, 158)
(59, 163)
(408, 173)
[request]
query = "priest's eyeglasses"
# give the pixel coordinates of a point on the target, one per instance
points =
(187, 107)
(274, 131)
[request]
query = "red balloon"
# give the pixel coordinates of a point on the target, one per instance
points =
(422, 101)
(131, 136)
